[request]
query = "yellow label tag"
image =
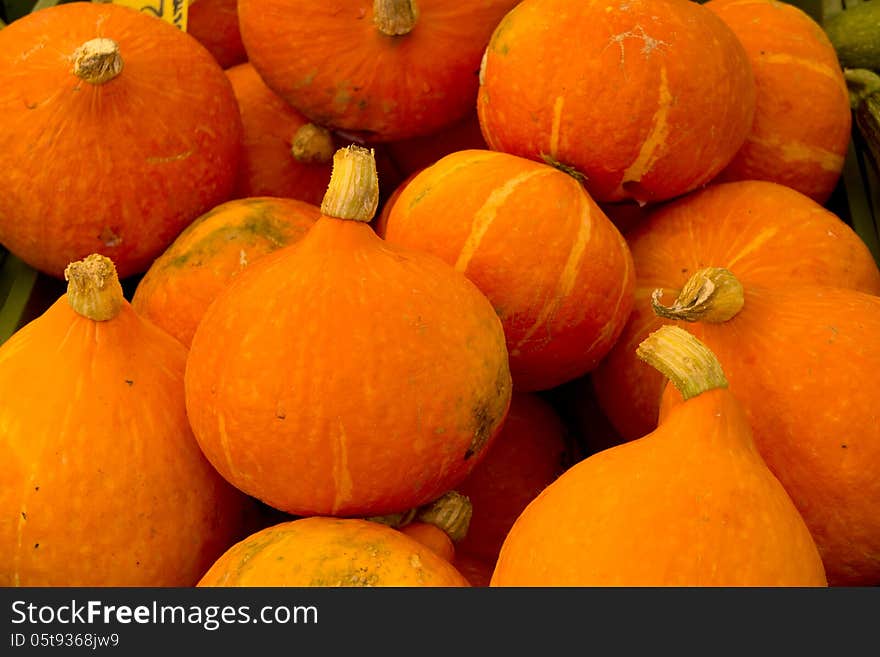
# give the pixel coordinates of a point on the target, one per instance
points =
(172, 11)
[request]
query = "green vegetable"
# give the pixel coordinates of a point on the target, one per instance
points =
(855, 33)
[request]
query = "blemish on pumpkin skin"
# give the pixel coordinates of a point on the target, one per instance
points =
(109, 238)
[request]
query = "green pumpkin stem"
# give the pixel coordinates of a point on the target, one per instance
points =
(312, 144)
(97, 61)
(712, 294)
(93, 288)
(683, 359)
(395, 17)
(353, 192)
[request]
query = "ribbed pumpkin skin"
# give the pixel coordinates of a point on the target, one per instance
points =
(118, 169)
(182, 282)
(691, 504)
(765, 233)
(803, 121)
(102, 482)
(529, 454)
(214, 23)
(344, 376)
(555, 268)
(648, 99)
(267, 167)
(805, 363)
(329, 61)
(330, 552)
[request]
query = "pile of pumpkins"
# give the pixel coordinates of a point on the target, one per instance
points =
(369, 240)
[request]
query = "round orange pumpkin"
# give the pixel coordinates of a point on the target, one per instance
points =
(345, 376)
(646, 99)
(214, 24)
(690, 504)
(283, 155)
(802, 124)
(102, 482)
(765, 233)
(118, 131)
(331, 552)
(332, 60)
(555, 268)
(183, 281)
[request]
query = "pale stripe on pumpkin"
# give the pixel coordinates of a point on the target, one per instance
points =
(341, 473)
(797, 151)
(568, 275)
(487, 213)
(650, 149)
(557, 121)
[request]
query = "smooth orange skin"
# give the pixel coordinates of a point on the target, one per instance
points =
(267, 166)
(431, 536)
(345, 376)
(117, 169)
(331, 552)
(555, 268)
(805, 362)
(648, 99)
(802, 124)
(328, 60)
(765, 233)
(214, 24)
(103, 483)
(691, 504)
(529, 454)
(182, 282)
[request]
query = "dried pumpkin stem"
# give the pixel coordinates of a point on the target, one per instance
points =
(712, 294)
(451, 512)
(97, 61)
(353, 192)
(312, 144)
(683, 359)
(395, 17)
(93, 288)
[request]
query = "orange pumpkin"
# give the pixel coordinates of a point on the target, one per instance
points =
(214, 24)
(765, 233)
(530, 453)
(346, 376)
(331, 552)
(690, 504)
(183, 281)
(802, 124)
(645, 99)
(118, 131)
(330, 60)
(284, 155)
(431, 536)
(805, 362)
(103, 483)
(557, 271)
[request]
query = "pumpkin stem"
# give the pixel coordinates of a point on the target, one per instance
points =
(97, 61)
(712, 294)
(353, 192)
(312, 144)
(395, 17)
(683, 359)
(451, 512)
(93, 288)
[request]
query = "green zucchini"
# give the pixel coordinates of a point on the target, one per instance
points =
(855, 34)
